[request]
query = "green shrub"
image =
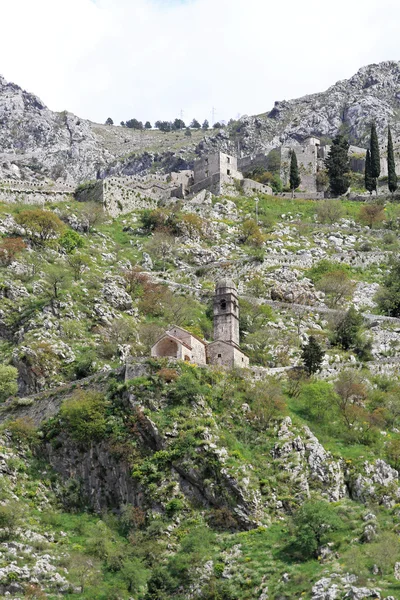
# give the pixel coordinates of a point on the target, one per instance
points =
(186, 389)
(83, 415)
(8, 382)
(174, 506)
(314, 522)
(71, 240)
(316, 401)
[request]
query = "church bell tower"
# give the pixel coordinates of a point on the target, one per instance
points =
(226, 313)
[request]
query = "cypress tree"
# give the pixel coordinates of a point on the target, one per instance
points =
(392, 177)
(338, 166)
(312, 356)
(375, 156)
(370, 182)
(294, 177)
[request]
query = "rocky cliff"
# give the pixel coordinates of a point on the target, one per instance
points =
(372, 94)
(36, 143)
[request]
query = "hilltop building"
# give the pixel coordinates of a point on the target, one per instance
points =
(224, 351)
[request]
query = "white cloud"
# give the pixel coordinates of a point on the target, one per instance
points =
(151, 58)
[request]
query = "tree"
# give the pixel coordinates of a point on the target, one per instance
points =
(337, 286)
(56, 279)
(134, 124)
(350, 390)
(178, 124)
(195, 124)
(93, 214)
(312, 355)
(389, 296)
(314, 521)
(347, 330)
(338, 166)
(188, 133)
(161, 245)
(205, 125)
(10, 248)
(164, 126)
(134, 574)
(147, 125)
(294, 177)
(217, 125)
(40, 225)
(109, 121)
(329, 211)
(266, 401)
(78, 264)
(251, 234)
(370, 182)
(372, 214)
(8, 382)
(392, 177)
(375, 156)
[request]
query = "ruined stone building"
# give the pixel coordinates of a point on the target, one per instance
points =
(224, 351)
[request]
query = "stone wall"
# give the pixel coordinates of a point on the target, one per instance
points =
(13, 192)
(250, 187)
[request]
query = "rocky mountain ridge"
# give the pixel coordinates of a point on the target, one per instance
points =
(37, 143)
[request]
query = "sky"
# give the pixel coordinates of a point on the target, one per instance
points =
(160, 59)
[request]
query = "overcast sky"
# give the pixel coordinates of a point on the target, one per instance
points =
(150, 59)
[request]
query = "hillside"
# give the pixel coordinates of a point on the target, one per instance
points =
(36, 143)
(130, 477)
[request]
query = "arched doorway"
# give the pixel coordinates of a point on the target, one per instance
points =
(166, 347)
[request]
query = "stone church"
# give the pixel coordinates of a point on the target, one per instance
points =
(224, 350)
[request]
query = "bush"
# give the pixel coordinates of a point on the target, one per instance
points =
(71, 240)
(315, 522)
(266, 401)
(186, 389)
(329, 211)
(40, 225)
(8, 382)
(10, 248)
(316, 401)
(83, 416)
(347, 330)
(372, 214)
(10, 517)
(23, 430)
(388, 297)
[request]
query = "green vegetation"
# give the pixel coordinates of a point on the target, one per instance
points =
(337, 165)
(8, 382)
(392, 177)
(294, 175)
(312, 356)
(225, 498)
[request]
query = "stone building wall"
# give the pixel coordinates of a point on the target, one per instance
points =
(225, 355)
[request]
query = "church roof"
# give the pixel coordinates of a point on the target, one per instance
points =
(172, 337)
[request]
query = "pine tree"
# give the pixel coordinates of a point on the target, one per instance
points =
(392, 177)
(375, 156)
(338, 166)
(294, 177)
(312, 355)
(370, 182)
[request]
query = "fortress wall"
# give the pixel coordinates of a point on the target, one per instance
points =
(252, 187)
(248, 163)
(35, 197)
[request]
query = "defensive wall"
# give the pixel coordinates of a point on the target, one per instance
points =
(20, 192)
